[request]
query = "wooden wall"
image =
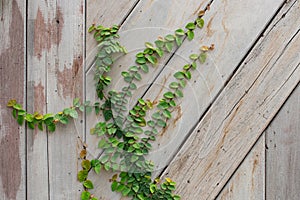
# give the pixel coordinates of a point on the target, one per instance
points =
(236, 137)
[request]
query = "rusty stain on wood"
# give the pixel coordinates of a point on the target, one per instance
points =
(173, 121)
(209, 30)
(12, 86)
(47, 33)
(69, 78)
(39, 98)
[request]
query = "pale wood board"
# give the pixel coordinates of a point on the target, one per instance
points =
(58, 56)
(248, 182)
(232, 36)
(12, 86)
(241, 112)
(38, 43)
(283, 155)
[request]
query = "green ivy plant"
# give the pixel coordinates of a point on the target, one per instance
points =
(126, 136)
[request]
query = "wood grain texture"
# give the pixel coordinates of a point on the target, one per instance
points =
(248, 182)
(12, 80)
(55, 78)
(37, 152)
(232, 36)
(283, 156)
(241, 112)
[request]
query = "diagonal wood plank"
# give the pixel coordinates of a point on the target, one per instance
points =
(250, 100)
(12, 84)
(248, 182)
(232, 41)
(282, 154)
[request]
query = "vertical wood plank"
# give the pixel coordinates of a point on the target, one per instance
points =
(248, 182)
(64, 83)
(283, 153)
(12, 84)
(39, 41)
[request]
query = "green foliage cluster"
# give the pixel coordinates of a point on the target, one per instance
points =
(125, 135)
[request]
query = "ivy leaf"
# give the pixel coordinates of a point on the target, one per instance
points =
(190, 35)
(178, 93)
(137, 76)
(11, 103)
(159, 52)
(97, 168)
(202, 57)
(161, 123)
(88, 184)
(86, 165)
(114, 186)
(135, 188)
(169, 46)
(190, 26)
(51, 127)
(85, 195)
(104, 159)
(125, 74)
(179, 40)
(40, 126)
(194, 56)
(176, 197)
(126, 191)
(172, 103)
(188, 75)
(167, 114)
(152, 59)
(74, 113)
(30, 125)
(179, 75)
(182, 83)
(17, 106)
(159, 43)
(170, 38)
(179, 32)
(168, 95)
(82, 175)
(102, 144)
(200, 22)
(145, 68)
(174, 85)
(107, 114)
(141, 60)
(149, 45)
(153, 188)
(133, 68)
(64, 120)
(76, 102)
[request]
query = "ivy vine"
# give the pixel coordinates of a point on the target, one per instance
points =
(126, 136)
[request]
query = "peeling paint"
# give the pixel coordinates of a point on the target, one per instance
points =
(47, 33)
(11, 87)
(70, 79)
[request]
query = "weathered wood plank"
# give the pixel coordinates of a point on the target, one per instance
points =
(37, 151)
(12, 81)
(283, 157)
(241, 112)
(248, 182)
(58, 50)
(232, 36)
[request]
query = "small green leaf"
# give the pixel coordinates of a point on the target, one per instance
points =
(161, 123)
(86, 164)
(190, 35)
(145, 68)
(159, 52)
(30, 125)
(167, 114)
(104, 159)
(114, 186)
(156, 115)
(179, 32)
(103, 144)
(91, 28)
(74, 113)
(125, 74)
(188, 75)
(88, 184)
(97, 168)
(172, 103)
(141, 60)
(179, 75)
(17, 106)
(107, 61)
(178, 93)
(152, 59)
(76, 102)
(170, 38)
(194, 65)
(169, 46)
(182, 83)
(82, 175)
(133, 69)
(200, 22)
(202, 57)
(137, 76)
(153, 188)
(190, 26)
(20, 119)
(135, 188)
(64, 120)
(159, 43)
(179, 40)
(174, 85)
(14, 113)
(168, 95)
(85, 195)
(194, 56)
(51, 127)
(149, 45)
